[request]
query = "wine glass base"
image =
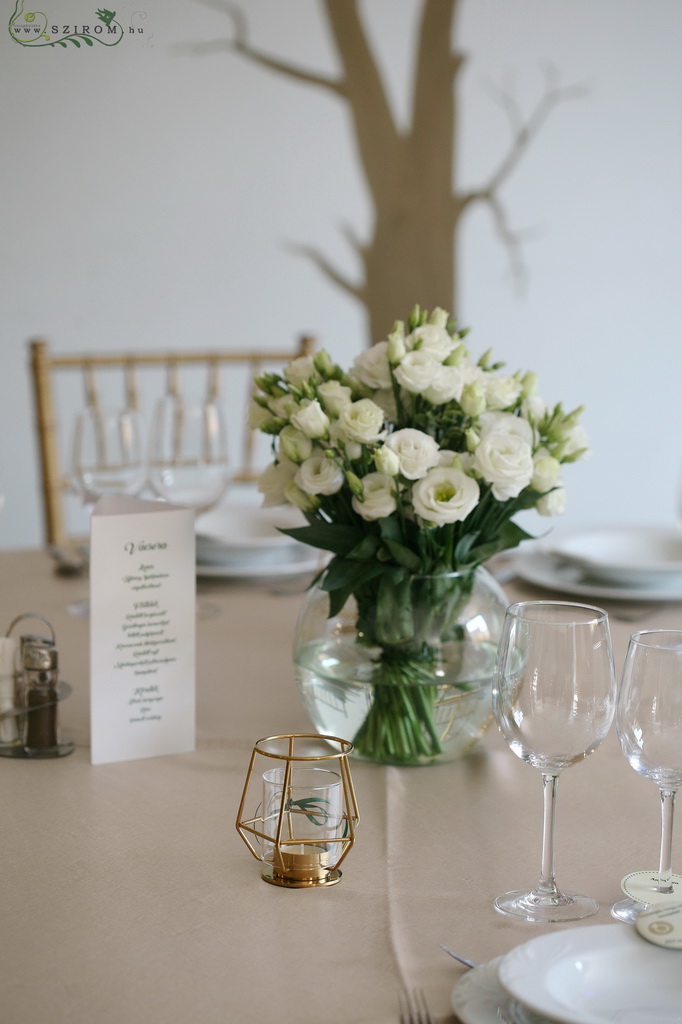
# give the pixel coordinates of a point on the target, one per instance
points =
(546, 909)
(628, 910)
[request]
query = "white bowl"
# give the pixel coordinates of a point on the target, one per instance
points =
(625, 556)
(246, 534)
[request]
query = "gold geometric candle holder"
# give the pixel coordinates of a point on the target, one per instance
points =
(306, 812)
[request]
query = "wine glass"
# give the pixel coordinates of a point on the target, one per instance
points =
(649, 727)
(188, 460)
(108, 453)
(554, 698)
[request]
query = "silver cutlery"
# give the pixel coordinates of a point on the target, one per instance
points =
(462, 959)
(414, 1008)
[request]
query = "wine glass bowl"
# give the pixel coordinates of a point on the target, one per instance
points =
(554, 700)
(189, 461)
(649, 728)
(108, 453)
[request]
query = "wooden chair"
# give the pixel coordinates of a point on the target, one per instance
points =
(49, 370)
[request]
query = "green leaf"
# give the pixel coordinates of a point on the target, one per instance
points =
(343, 573)
(365, 550)
(335, 537)
(404, 556)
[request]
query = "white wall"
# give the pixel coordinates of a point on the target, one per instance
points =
(148, 192)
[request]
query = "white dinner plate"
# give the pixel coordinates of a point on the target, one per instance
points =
(547, 570)
(478, 998)
(242, 529)
(303, 560)
(597, 974)
(630, 556)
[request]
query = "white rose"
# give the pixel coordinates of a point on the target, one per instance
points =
(371, 367)
(319, 475)
(505, 460)
(294, 444)
(378, 498)
(432, 338)
(311, 419)
(362, 421)
(553, 503)
(299, 370)
(417, 451)
(445, 496)
(446, 386)
(273, 481)
(334, 396)
(546, 472)
(386, 461)
(501, 392)
(417, 371)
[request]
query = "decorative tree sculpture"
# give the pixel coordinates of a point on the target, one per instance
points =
(418, 208)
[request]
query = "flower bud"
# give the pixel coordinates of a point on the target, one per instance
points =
(355, 484)
(396, 343)
(387, 461)
(473, 399)
(439, 317)
(295, 445)
(473, 439)
(529, 384)
(295, 496)
(323, 364)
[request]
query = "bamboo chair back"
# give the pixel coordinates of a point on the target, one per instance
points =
(55, 410)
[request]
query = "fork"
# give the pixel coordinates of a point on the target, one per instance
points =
(414, 1008)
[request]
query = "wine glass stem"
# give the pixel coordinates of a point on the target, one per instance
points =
(665, 867)
(549, 785)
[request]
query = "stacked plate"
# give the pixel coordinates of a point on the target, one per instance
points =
(245, 541)
(629, 563)
(598, 974)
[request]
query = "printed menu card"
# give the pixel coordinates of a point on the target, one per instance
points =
(142, 629)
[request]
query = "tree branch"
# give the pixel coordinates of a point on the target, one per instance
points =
(329, 271)
(240, 44)
(524, 130)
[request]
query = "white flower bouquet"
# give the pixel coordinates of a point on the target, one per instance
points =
(411, 464)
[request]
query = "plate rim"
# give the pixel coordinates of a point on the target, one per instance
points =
(561, 548)
(622, 934)
(525, 561)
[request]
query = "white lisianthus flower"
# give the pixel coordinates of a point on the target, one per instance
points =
(446, 386)
(295, 496)
(505, 460)
(534, 407)
(500, 391)
(283, 406)
(546, 472)
(319, 475)
(417, 371)
(311, 419)
(299, 370)
(351, 449)
(505, 423)
(295, 445)
(432, 338)
(378, 498)
(553, 503)
(439, 317)
(417, 451)
(371, 367)
(258, 417)
(334, 396)
(577, 439)
(445, 495)
(456, 460)
(362, 421)
(386, 461)
(385, 399)
(273, 482)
